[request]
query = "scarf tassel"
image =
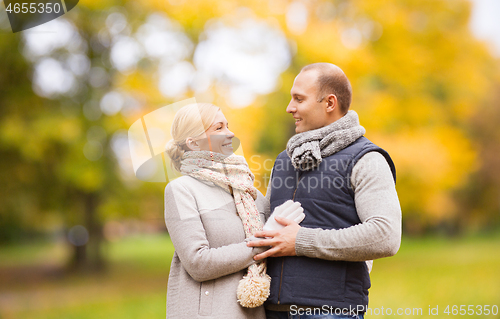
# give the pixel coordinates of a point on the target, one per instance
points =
(253, 289)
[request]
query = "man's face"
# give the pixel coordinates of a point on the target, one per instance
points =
(309, 114)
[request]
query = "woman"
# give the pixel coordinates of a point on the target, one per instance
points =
(209, 212)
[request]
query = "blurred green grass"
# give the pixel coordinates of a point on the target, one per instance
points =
(34, 285)
(438, 272)
(425, 272)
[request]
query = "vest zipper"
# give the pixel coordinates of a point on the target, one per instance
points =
(281, 277)
(283, 258)
(298, 182)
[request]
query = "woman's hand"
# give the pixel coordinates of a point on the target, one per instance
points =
(288, 210)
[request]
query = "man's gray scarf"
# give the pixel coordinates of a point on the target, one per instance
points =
(307, 149)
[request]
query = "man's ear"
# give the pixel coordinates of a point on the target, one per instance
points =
(332, 103)
(192, 144)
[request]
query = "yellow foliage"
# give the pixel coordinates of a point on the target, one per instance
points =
(430, 165)
(417, 73)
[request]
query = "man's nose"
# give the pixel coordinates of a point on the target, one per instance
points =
(290, 108)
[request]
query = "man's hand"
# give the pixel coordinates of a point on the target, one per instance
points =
(282, 241)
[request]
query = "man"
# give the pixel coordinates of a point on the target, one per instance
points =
(346, 185)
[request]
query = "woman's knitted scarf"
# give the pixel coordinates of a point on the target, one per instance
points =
(232, 171)
(307, 149)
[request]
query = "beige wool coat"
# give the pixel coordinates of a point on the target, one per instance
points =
(211, 255)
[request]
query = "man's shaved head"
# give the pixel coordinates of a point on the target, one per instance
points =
(332, 80)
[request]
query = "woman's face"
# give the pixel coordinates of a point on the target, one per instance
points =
(217, 138)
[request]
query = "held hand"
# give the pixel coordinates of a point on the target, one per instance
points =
(289, 210)
(282, 241)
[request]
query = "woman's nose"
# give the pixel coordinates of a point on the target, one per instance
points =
(229, 134)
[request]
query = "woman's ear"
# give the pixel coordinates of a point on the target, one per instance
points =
(192, 144)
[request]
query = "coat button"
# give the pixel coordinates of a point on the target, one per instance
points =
(206, 293)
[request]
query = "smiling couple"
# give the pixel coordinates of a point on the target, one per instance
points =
(240, 255)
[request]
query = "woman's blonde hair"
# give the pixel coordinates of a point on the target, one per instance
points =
(191, 120)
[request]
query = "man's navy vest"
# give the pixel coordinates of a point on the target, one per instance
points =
(328, 201)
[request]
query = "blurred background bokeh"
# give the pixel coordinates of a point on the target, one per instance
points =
(82, 237)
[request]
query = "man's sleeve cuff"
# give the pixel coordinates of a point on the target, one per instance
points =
(305, 241)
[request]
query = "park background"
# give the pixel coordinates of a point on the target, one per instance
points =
(82, 237)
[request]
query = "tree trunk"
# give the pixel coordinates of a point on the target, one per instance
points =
(88, 257)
